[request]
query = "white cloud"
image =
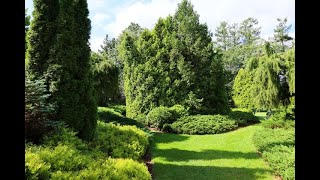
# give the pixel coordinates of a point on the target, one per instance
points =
(145, 14)
(99, 18)
(95, 43)
(211, 12)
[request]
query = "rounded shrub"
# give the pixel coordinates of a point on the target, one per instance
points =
(243, 116)
(120, 141)
(178, 111)
(204, 124)
(158, 116)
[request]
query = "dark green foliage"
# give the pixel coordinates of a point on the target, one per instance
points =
(158, 116)
(39, 114)
(173, 64)
(105, 77)
(120, 141)
(167, 128)
(70, 80)
(243, 117)
(204, 124)
(41, 35)
(277, 147)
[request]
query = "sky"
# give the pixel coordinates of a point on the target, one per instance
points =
(112, 16)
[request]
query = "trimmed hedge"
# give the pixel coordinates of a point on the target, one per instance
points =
(204, 124)
(243, 116)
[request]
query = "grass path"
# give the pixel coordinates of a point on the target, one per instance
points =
(225, 156)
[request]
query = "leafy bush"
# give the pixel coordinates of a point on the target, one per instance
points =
(57, 163)
(108, 169)
(159, 116)
(279, 119)
(282, 159)
(167, 128)
(178, 111)
(120, 141)
(277, 147)
(265, 138)
(204, 124)
(119, 108)
(243, 116)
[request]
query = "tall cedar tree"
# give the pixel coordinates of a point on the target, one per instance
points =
(41, 36)
(173, 64)
(71, 80)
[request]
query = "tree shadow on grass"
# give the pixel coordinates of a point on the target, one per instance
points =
(185, 155)
(184, 172)
(169, 137)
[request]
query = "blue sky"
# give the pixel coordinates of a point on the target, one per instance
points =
(112, 16)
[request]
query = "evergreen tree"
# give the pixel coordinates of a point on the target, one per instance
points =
(173, 64)
(242, 89)
(281, 34)
(40, 36)
(71, 80)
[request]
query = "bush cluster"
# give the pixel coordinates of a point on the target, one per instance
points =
(64, 156)
(204, 124)
(243, 116)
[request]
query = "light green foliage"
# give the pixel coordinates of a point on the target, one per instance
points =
(173, 64)
(178, 111)
(282, 160)
(105, 77)
(266, 138)
(242, 89)
(64, 156)
(266, 82)
(280, 119)
(158, 116)
(121, 141)
(289, 57)
(278, 149)
(204, 124)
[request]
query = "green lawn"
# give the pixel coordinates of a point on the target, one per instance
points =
(227, 156)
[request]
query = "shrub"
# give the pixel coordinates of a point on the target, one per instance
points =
(265, 138)
(108, 114)
(243, 116)
(167, 128)
(178, 111)
(277, 147)
(204, 124)
(159, 116)
(109, 169)
(278, 120)
(119, 108)
(63, 162)
(120, 141)
(282, 159)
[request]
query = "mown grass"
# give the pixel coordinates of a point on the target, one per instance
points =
(230, 155)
